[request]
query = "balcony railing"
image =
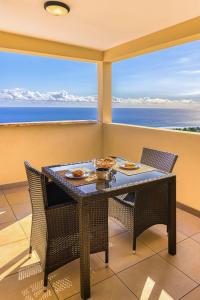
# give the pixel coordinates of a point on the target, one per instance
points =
(52, 144)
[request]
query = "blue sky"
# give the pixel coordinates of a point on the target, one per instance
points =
(47, 74)
(172, 73)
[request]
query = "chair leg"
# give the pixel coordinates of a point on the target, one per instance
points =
(134, 244)
(106, 257)
(107, 240)
(45, 281)
(30, 252)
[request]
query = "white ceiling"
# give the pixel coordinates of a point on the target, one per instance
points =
(99, 24)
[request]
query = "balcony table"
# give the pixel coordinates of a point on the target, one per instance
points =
(101, 190)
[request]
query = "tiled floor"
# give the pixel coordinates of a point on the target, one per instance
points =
(150, 274)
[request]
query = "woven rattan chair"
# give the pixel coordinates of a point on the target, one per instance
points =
(142, 209)
(55, 224)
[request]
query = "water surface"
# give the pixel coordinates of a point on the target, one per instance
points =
(152, 117)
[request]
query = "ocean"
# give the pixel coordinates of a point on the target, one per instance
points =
(152, 117)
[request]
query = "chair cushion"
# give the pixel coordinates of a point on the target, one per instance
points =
(56, 195)
(127, 199)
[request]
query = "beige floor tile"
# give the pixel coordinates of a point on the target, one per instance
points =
(11, 232)
(155, 279)
(109, 289)
(66, 280)
(157, 239)
(115, 228)
(121, 255)
(26, 224)
(22, 210)
(6, 215)
(161, 227)
(194, 295)
(17, 195)
(187, 258)
(196, 237)
(25, 286)
(187, 223)
(14, 258)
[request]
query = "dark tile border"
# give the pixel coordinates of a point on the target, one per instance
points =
(188, 209)
(13, 185)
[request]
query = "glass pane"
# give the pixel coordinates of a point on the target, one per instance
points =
(39, 88)
(159, 89)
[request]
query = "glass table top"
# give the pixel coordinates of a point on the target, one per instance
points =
(116, 178)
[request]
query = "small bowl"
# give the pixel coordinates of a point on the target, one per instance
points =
(102, 173)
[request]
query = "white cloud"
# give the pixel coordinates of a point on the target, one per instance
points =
(190, 72)
(192, 93)
(20, 96)
(152, 101)
(183, 60)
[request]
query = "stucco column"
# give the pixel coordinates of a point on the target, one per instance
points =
(105, 92)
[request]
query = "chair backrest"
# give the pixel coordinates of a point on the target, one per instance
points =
(36, 181)
(164, 161)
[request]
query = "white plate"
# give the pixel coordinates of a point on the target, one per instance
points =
(135, 167)
(71, 176)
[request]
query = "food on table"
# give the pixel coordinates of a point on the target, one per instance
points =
(107, 162)
(77, 173)
(129, 164)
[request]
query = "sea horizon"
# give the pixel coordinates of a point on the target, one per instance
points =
(149, 116)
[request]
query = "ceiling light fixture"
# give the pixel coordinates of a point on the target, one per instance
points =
(56, 8)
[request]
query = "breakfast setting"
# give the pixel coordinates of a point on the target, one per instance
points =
(103, 169)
